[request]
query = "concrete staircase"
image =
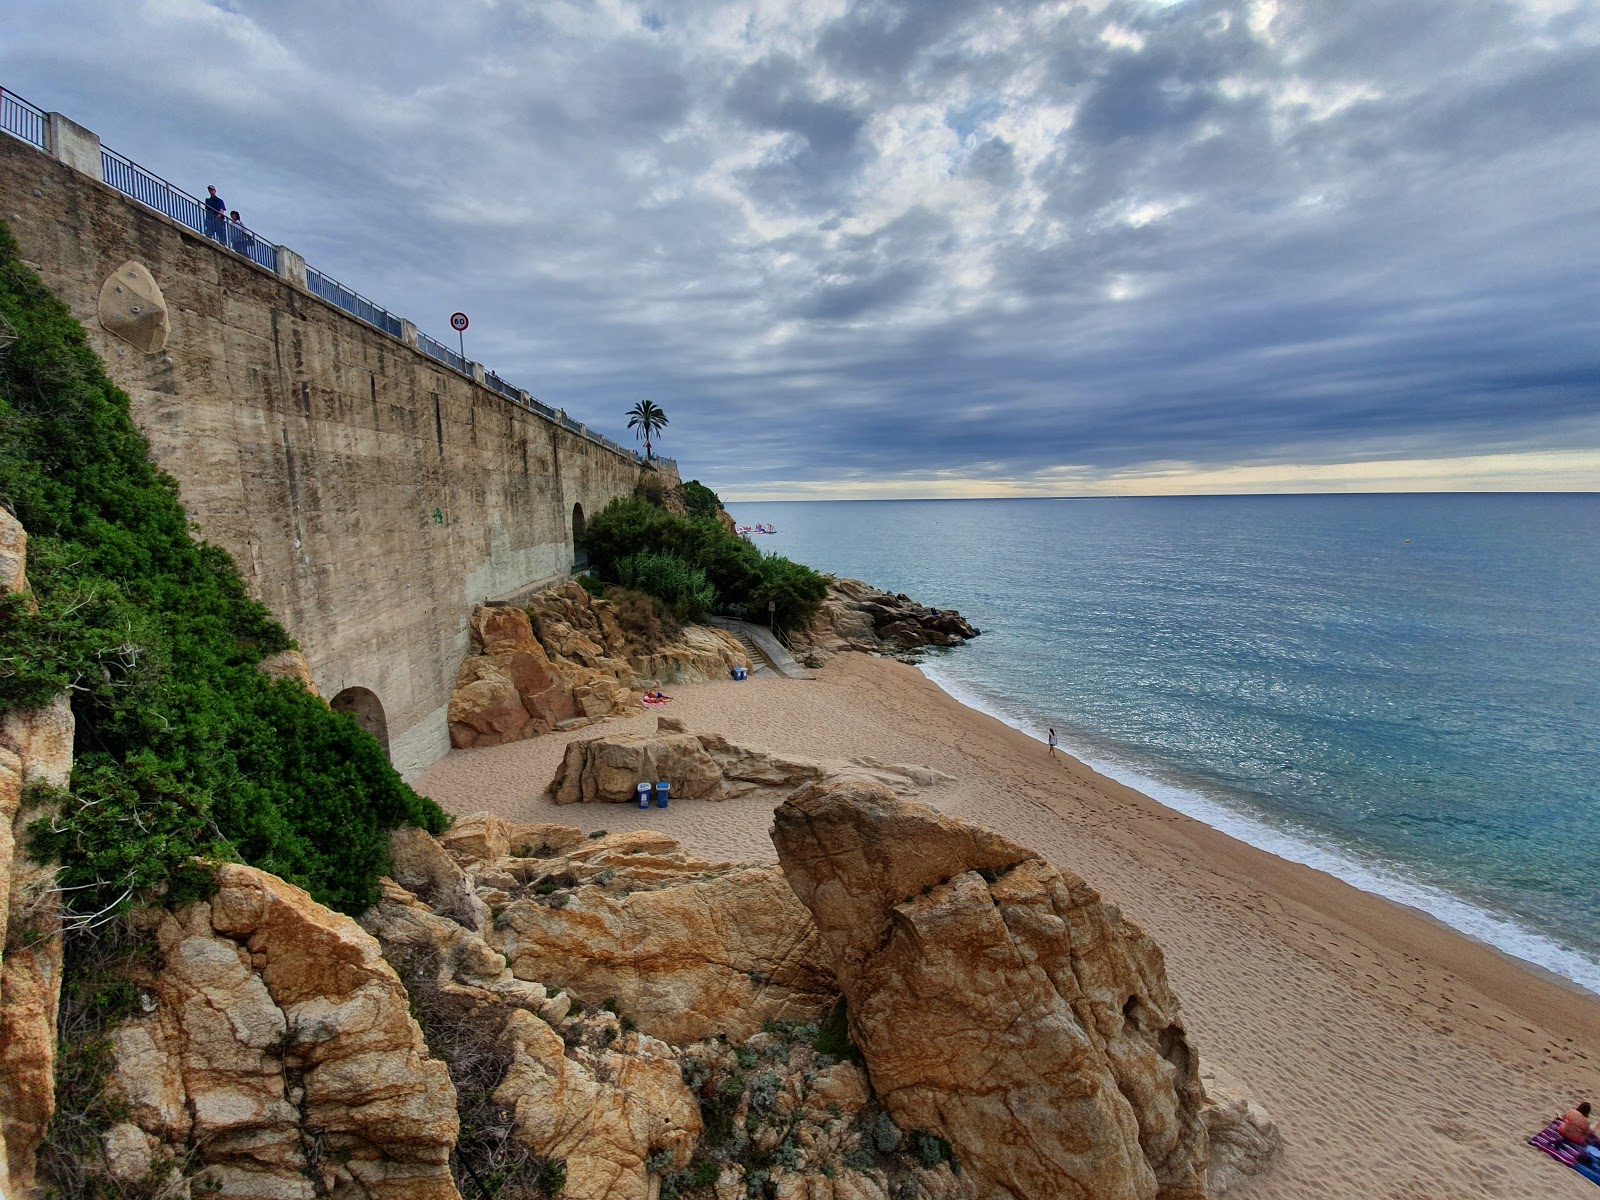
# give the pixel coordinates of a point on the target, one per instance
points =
(768, 656)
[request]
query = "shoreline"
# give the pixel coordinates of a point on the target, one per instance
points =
(1384, 881)
(1361, 1024)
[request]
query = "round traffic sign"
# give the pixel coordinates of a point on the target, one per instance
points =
(458, 322)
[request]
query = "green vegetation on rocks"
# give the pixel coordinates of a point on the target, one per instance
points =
(744, 580)
(183, 747)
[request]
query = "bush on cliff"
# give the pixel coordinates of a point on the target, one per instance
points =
(183, 747)
(744, 579)
(700, 500)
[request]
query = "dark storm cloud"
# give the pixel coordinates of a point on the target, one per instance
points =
(920, 240)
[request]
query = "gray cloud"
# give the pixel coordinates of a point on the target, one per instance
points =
(992, 240)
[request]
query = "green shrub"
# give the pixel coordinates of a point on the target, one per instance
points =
(676, 582)
(183, 747)
(742, 578)
(592, 585)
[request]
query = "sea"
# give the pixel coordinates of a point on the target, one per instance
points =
(1399, 690)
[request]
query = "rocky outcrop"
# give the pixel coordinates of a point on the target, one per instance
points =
(857, 616)
(572, 1083)
(1062, 1068)
(577, 628)
(508, 689)
(684, 949)
(35, 749)
(708, 767)
(567, 660)
(275, 1056)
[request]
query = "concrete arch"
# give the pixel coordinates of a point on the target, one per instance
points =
(366, 710)
(580, 557)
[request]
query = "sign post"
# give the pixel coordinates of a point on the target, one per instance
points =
(459, 322)
(772, 610)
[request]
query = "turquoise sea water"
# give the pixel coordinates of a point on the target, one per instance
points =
(1400, 690)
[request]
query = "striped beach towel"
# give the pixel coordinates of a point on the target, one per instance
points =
(1549, 1140)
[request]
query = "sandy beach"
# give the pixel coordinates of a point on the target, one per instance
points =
(1401, 1059)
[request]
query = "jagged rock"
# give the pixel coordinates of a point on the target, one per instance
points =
(567, 658)
(277, 1055)
(133, 308)
(857, 616)
(483, 837)
(686, 953)
(35, 748)
(1244, 1139)
(508, 689)
(605, 1111)
(1063, 1068)
(578, 1087)
(577, 627)
(706, 767)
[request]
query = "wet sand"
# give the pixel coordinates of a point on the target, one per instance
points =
(1401, 1059)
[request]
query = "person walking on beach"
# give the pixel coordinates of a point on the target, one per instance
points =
(216, 216)
(1052, 743)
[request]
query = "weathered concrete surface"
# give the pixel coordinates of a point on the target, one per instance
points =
(369, 495)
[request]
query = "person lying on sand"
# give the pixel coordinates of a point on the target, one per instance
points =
(1575, 1126)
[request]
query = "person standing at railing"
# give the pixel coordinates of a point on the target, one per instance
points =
(216, 216)
(240, 238)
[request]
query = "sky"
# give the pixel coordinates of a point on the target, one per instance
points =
(927, 247)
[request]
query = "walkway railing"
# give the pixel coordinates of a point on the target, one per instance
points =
(23, 120)
(33, 125)
(352, 301)
(152, 191)
(443, 353)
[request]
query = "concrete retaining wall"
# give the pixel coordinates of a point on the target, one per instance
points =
(369, 495)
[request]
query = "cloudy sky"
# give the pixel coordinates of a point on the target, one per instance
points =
(929, 247)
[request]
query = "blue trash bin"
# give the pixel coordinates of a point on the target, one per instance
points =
(741, 673)
(644, 795)
(662, 790)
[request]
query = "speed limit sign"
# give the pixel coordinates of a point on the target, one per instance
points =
(458, 322)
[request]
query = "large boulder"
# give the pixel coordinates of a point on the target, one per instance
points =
(275, 1055)
(707, 766)
(508, 689)
(1063, 1069)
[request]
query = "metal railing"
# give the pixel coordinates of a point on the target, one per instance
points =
(352, 301)
(23, 120)
(152, 191)
(494, 383)
(443, 353)
(32, 125)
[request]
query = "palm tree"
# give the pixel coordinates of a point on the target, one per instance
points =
(647, 419)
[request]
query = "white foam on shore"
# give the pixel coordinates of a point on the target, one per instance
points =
(1379, 879)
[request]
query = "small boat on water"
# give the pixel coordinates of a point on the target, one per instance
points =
(758, 529)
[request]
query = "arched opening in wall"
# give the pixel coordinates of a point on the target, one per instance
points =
(580, 556)
(366, 710)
